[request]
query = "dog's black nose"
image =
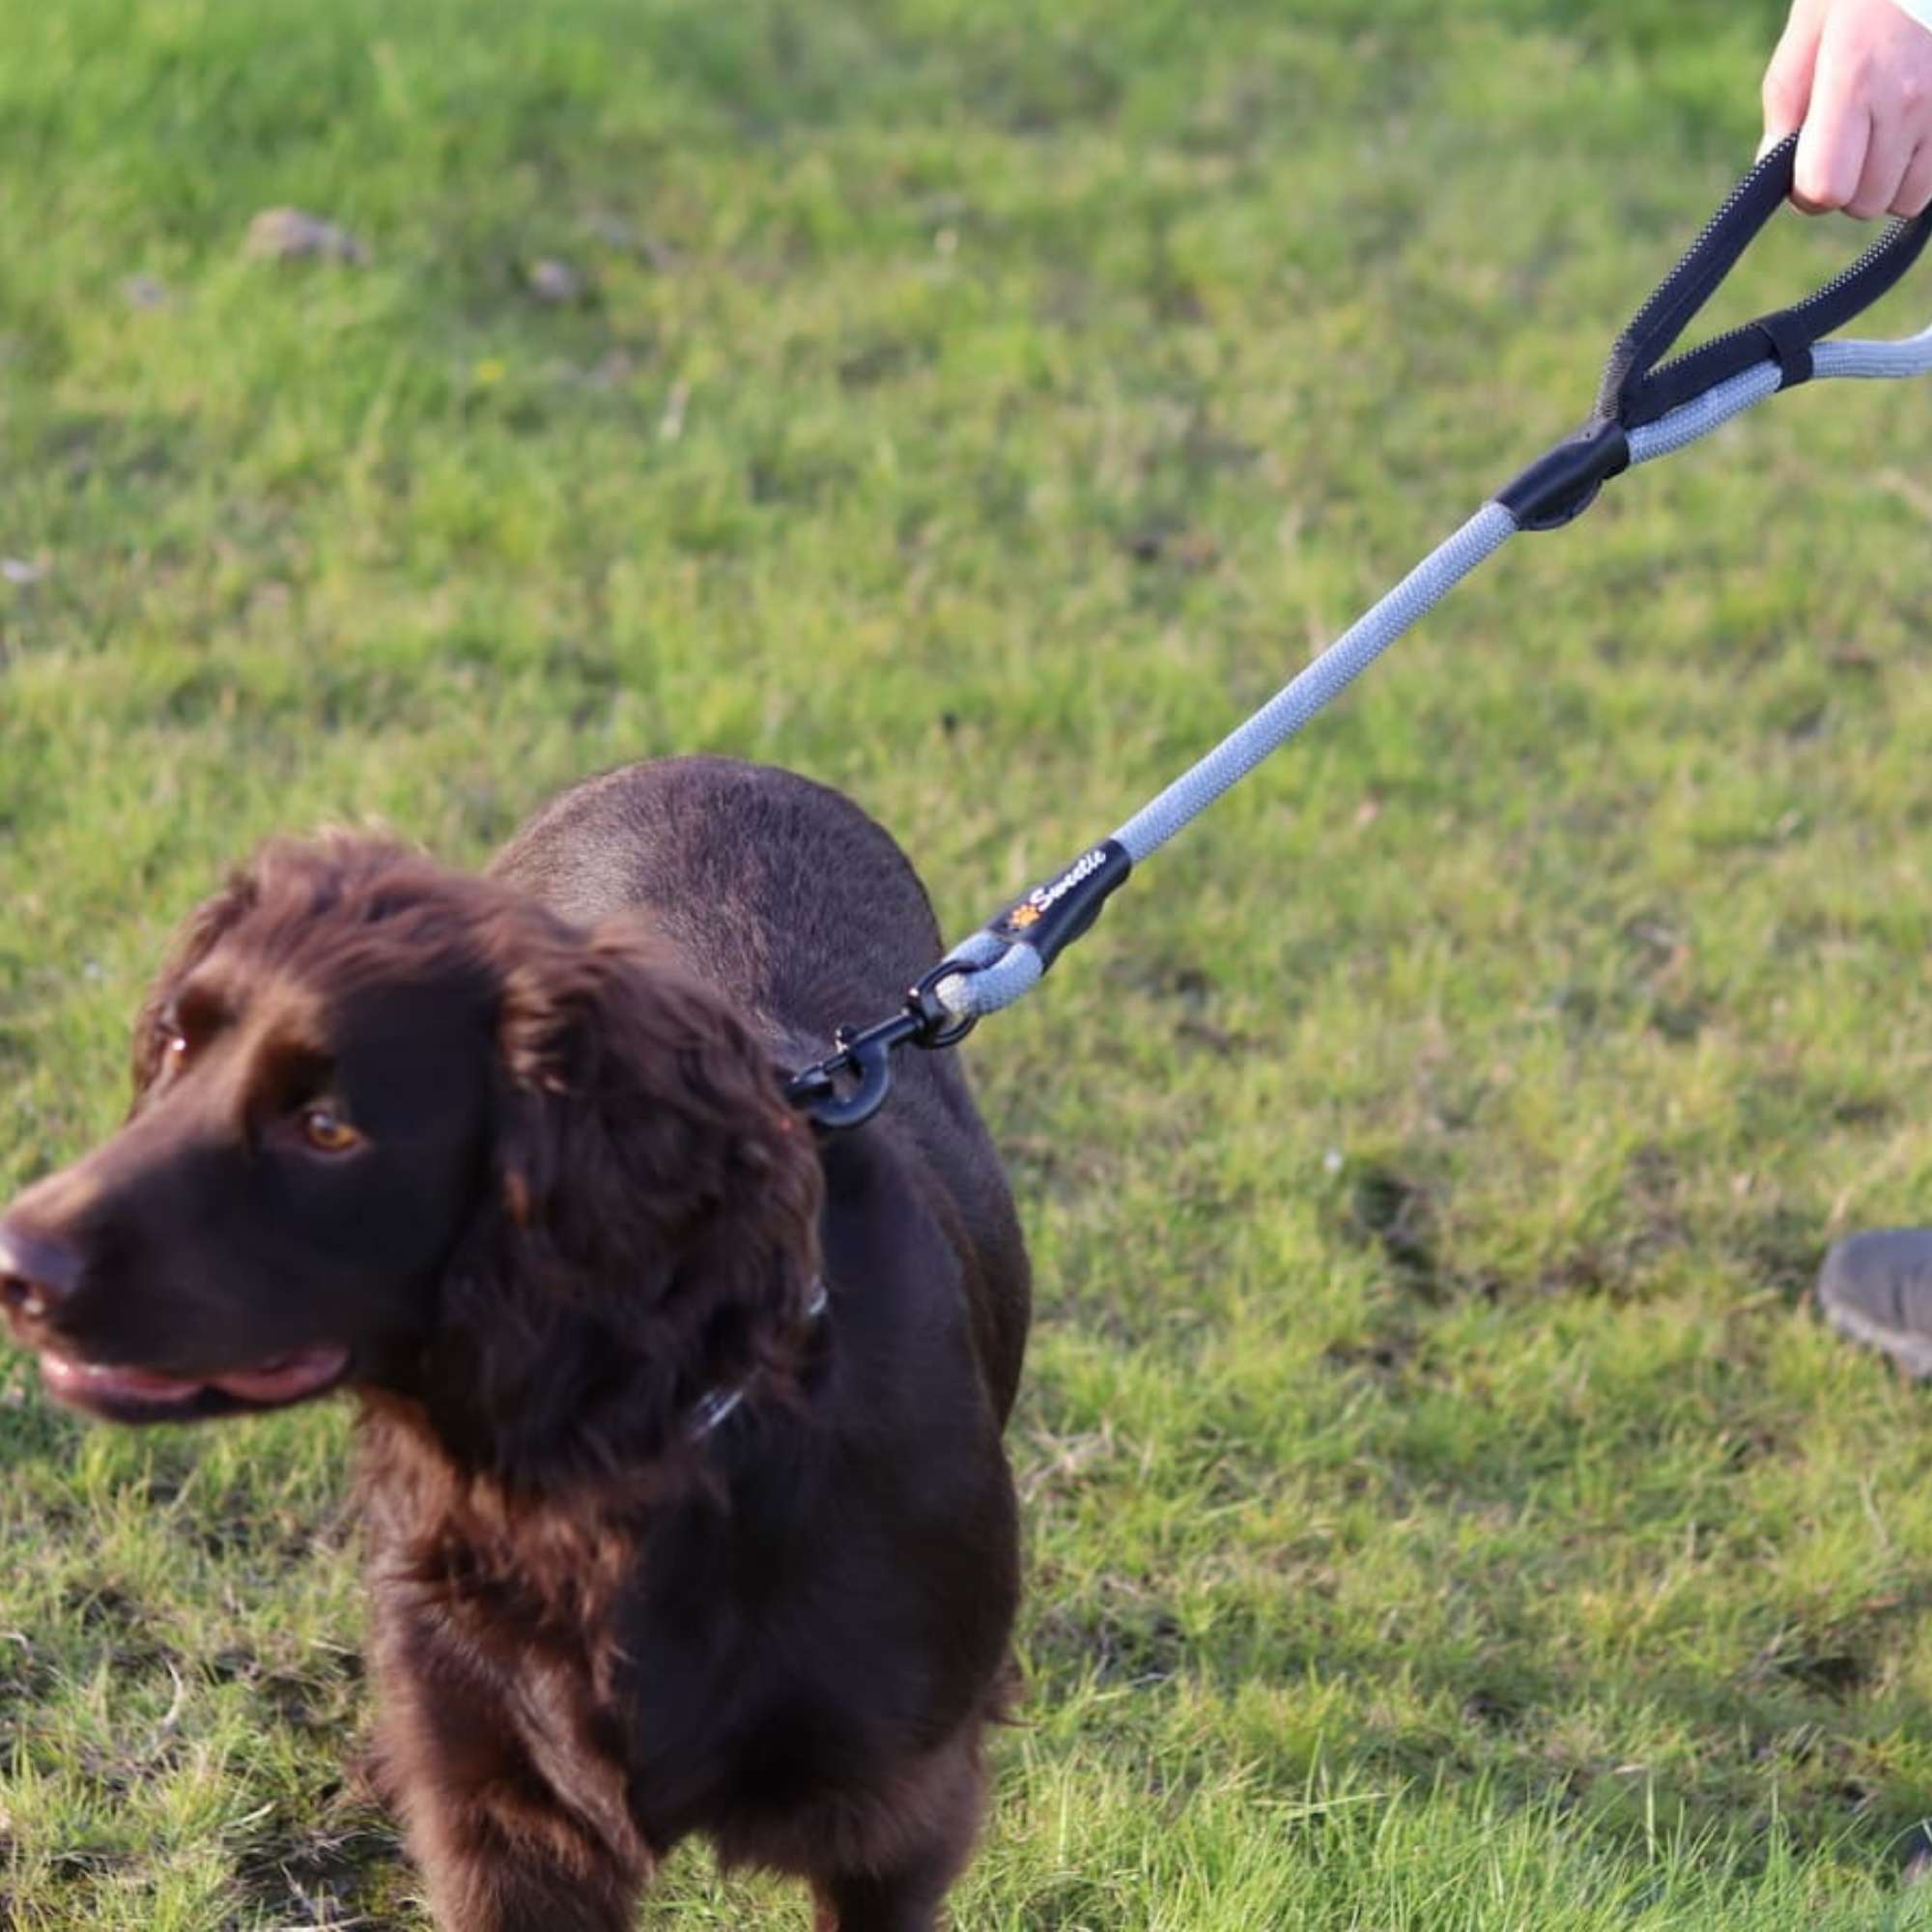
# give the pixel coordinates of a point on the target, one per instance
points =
(37, 1273)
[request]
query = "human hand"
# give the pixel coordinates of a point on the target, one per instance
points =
(1857, 76)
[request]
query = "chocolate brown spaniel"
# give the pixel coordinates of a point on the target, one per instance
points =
(679, 1427)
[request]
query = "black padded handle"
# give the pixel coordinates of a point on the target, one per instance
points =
(1636, 391)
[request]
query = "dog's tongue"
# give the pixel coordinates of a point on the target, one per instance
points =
(286, 1377)
(282, 1379)
(63, 1375)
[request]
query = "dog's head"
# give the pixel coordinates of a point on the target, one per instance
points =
(401, 1129)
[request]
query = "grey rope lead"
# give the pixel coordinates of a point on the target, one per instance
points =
(1862, 362)
(1646, 408)
(1320, 684)
(1002, 970)
(992, 970)
(1695, 420)
(1877, 361)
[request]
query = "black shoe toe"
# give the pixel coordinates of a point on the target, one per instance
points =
(1876, 1288)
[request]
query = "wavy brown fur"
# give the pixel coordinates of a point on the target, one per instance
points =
(580, 1205)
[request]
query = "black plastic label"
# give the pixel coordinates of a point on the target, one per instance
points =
(1057, 912)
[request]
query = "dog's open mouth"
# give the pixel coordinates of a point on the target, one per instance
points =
(141, 1395)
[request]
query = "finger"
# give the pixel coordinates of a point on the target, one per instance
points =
(1832, 150)
(1887, 159)
(1914, 191)
(1787, 80)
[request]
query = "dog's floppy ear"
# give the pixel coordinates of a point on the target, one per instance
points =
(649, 1110)
(197, 937)
(653, 1231)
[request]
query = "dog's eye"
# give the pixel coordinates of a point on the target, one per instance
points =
(326, 1131)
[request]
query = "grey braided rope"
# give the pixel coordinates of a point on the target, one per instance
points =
(1320, 684)
(1875, 361)
(1007, 972)
(1000, 973)
(1868, 361)
(1702, 414)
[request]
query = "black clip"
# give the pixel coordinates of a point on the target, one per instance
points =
(849, 1086)
(818, 1092)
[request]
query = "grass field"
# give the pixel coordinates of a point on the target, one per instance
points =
(1443, 1509)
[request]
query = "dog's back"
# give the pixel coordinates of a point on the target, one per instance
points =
(806, 912)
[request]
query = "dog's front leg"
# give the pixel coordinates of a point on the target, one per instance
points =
(500, 1850)
(900, 1889)
(486, 1873)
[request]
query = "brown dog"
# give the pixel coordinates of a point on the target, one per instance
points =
(679, 1428)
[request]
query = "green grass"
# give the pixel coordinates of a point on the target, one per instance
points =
(1443, 1509)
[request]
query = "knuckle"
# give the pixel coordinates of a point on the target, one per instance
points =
(1815, 191)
